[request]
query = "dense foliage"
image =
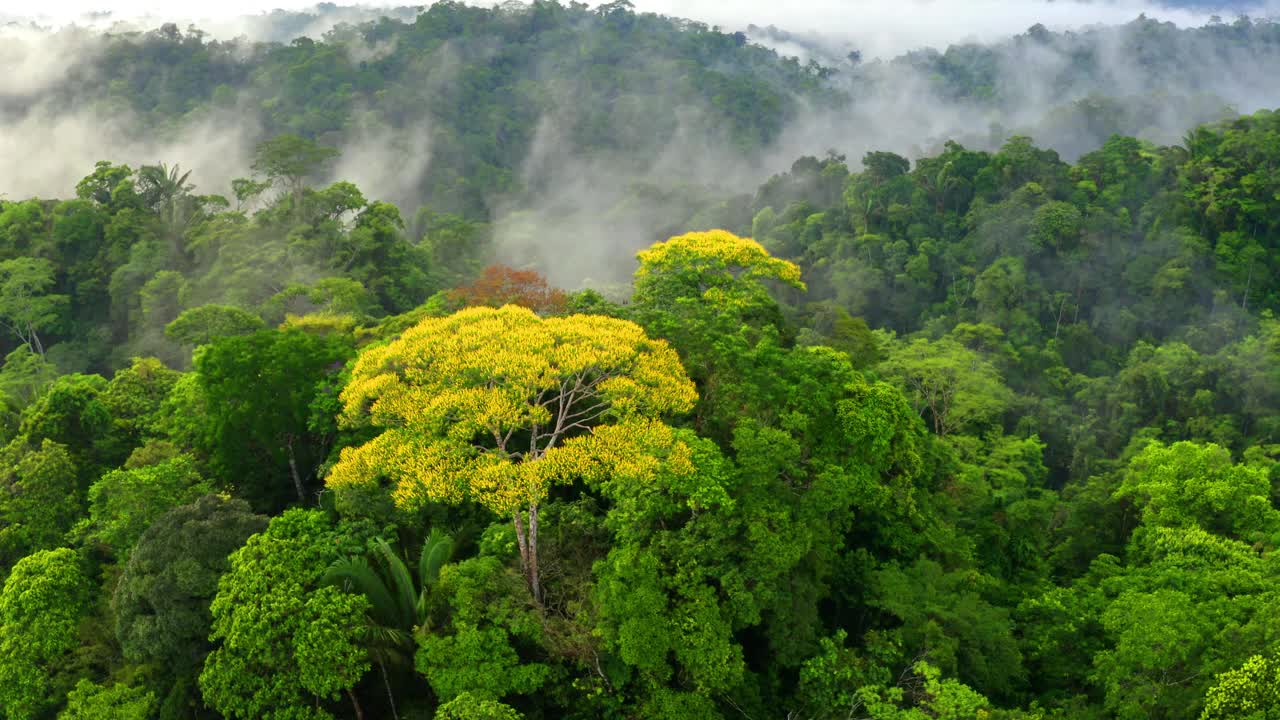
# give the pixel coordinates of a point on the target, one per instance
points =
(986, 434)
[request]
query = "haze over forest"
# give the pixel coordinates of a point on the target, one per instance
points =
(889, 360)
(908, 92)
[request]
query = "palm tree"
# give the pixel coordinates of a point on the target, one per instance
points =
(399, 607)
(166, 192)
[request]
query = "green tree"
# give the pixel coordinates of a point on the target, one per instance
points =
(102, 185)
(286, 642)
(1152, 668)
(27, 307)
(289, 160)
(329, 296)
(935, 699)
(90, 701)
(672, 505)
(25, 375)
(954, 388)
(22, 225)
(161, 603)
(1250, 692)
(133, 400)
(476, 649)
(709, 295)
(1060, 631)
(39, 499)
(1166, 634)
(41, 606)
(471, 707)
(255, 393)
(376, 254)
(124, 503)
(946, 619)
(72, 413)
(1190, 485)
(831, 681)
(201, 325)
(1002, 294)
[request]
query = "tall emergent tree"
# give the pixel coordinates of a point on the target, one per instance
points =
(290, 160)
(483, 405)
(708, 293)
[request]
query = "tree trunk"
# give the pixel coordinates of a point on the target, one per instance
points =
(355, 703)
(535, 582)
(387, 684)
(297, 199)
(1058, 326)
(35, 343)
(527, 540)
(1248, 285)
(522, 543)
(293, 470)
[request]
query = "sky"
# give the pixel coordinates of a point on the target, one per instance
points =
(875, 27)
(223, 8)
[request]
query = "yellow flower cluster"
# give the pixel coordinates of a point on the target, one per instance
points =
(484, 403)
(719, 250)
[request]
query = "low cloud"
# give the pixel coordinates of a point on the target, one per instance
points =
(387, 164)
(583, 217)
(35, 59)
(886, 28)
(46, 152)
(276, 21)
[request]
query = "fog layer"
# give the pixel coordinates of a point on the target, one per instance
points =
(1069, 90)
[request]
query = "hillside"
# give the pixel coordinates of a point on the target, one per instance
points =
(510, 372)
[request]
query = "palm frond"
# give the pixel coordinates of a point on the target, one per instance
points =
(354, 574)
(178, 179)
(382, 636)
(436, 551)
(401, 582)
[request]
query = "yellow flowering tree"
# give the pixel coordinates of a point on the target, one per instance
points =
(715, 266)
(710, 295)
(486, 404)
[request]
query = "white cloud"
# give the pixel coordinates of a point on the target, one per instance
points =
(46, 152)
(68, 10)
(217, 150)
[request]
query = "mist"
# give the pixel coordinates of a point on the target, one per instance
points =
(386, 164)
(886, 28)
(46, 153)
(581, 218)
(877, 28)
(587, 227)
(278, 21)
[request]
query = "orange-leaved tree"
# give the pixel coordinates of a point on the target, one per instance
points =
(500, 285)
(495, 405)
